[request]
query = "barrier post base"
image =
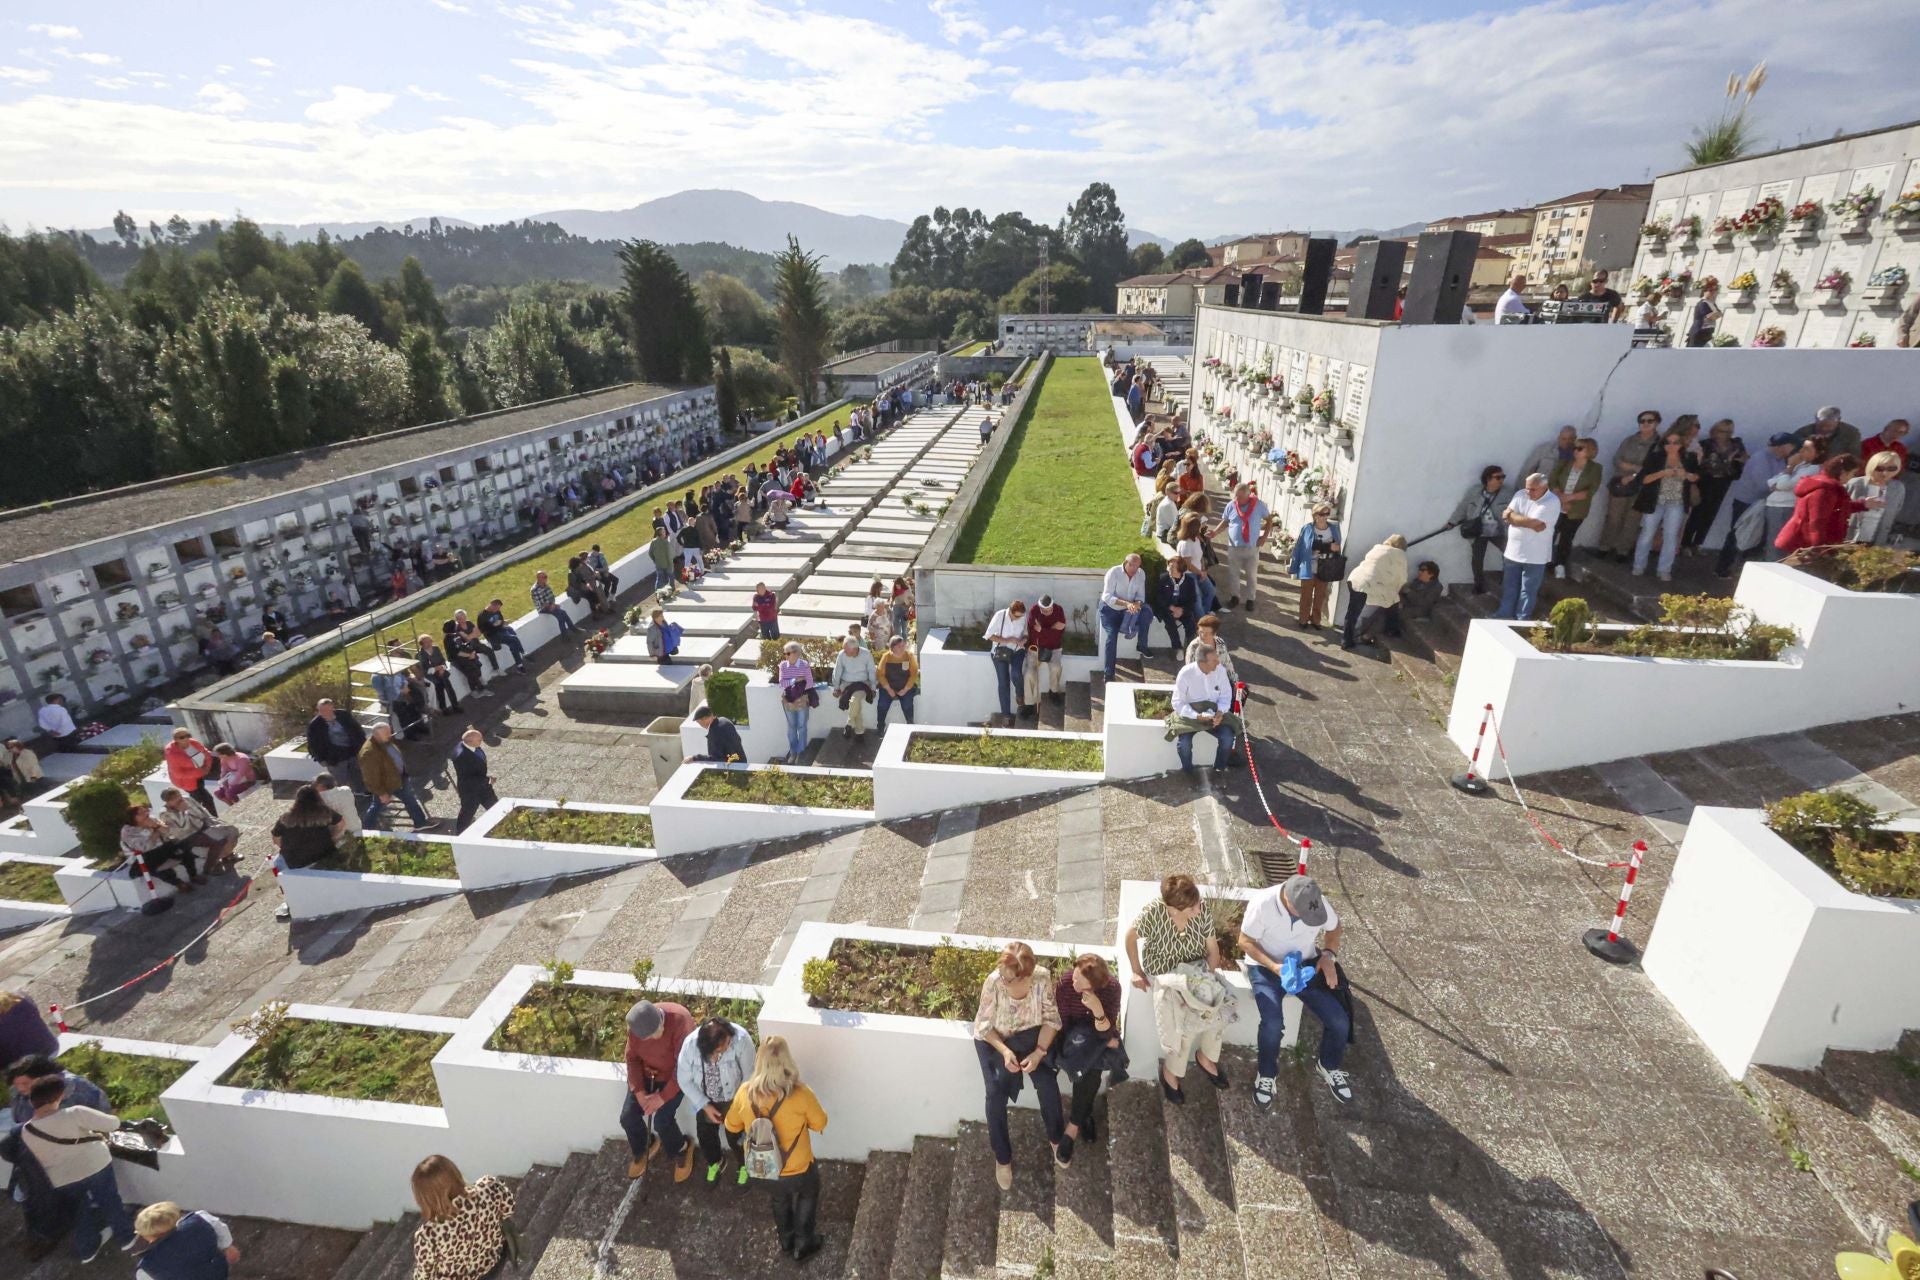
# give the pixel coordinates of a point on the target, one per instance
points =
(1613, 951)
(1467, 782)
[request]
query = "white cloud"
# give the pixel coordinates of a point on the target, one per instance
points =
(221, 99)
(265, 63)
(98, 59)
(349, 106)
(450, 6)
(111, 83)
(958, 20)
(54, 32)
(426, 95)
(24, 75)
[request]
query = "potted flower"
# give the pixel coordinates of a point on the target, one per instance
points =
(598, 643)
(1657, 232)
(1771, 336)
(1864, 340)
(1687, 230)
(1643, 288)
(1674, 288)
(1744, 286)
(1723, 340)
(1835, 284)
(1303, 401)
(1323, 408)
(99, 657)
(1904, 213)
(1885, 285)
(1804, 219)
(141, 642)
(1723, 229)
(1763, 221)
(1784, 288)
(1855, 210)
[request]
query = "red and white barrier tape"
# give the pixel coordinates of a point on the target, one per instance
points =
(1303, 844)
(1507, 767)
(226, 912)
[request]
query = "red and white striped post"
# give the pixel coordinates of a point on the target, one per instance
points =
(1306, 847)
(59, 1022)
(1471, 782)
(140, 865)
(1607, 943)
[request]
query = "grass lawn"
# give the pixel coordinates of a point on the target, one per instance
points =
(1061, 493)
(343, 1060)
(626, 532)
(1002, 751)
(29, 882)
(576, 826)
(591, 1022)
(778, 787)
(133, 1082)
(972, 348)
(387, 856)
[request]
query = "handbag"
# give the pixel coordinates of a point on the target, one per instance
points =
(1331, 567)
(1471, 529)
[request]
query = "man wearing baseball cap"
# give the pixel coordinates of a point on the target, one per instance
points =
(1281, 920)
(650, 1114)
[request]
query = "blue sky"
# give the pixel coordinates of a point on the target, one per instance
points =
(1207, 116)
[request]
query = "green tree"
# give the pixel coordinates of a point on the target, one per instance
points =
(1096, 232)
(1067, 290)
(127, 229)
(1729, 135)
(417, 297)
(735, 313)
(935, 251)
(801, 317)
(666, 329)
(426, 378)
(40, 277)
(293, 398)
(760, 384)
(856, 282)
(1011, 250)
(347, 293)
(521, 356)
(726, 399)
(1147, 258)
(76, 405)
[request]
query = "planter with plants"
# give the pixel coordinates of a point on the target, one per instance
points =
(134, 1074)
(520, 840)
(1656, 233)
(1708, 671)
(956, 671)
(1763, 221)
(537, 1071)
(1793, 930)
(1885, 285)
(1744, 287)
(1854, 211)
(29, 890)
(1804, 219)
(333, 1093)
(1834, 284)
(925, 768)
(884, 1017)
(376, 869)
(1771, 336)
(706, 806)
(1134, 731)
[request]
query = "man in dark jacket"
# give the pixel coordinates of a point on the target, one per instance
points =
(723, 739)
(334, 739)
(471, 781)
(1179, 601)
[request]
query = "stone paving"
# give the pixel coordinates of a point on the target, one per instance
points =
(1522, 1109)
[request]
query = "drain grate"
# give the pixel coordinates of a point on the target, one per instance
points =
(1275, 865)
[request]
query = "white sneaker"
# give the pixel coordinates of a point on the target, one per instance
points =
(1263, 1090)
(1336, 1081)
(1560, 572)
(1666, 577)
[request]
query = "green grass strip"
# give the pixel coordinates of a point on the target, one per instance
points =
(28, 882)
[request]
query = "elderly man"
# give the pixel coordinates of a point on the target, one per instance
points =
(185, 821)
(1529, 518)
(334, 739)
(1511, 303)
(1293, 919)
(723, 737)
(385, 771)
(1840, 437)
(471, 781)
(1123, 608)
(1551, 453)
(853, 682)
(1246, 518)
(57, 722)
(1203, 703)
(543, 602)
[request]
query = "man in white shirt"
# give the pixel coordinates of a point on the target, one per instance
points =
(57, 723)
(1530, 519)
(1123, 603)
(71, 1147)
(1280, 920)
(1511, 303)
(1203, 695)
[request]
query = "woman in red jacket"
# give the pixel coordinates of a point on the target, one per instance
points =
(188, 764)
(1821, 506)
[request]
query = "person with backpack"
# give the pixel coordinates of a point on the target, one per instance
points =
(779, 1115)
(663, 637)
(714, 1063)
(650, 1115)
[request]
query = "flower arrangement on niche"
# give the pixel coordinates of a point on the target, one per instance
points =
(1771, 336)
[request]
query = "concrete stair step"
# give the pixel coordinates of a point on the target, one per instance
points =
(1847, 1155)
(583, 1221)
(1146, 1237)
(877, 1219)
(530, 1191)
(973, 1209)
(1278, 1171)
(356, 1263)
(1883, 1089)
(539, 1222)
(920, 1235)
(1080, 714)
(1083, 1207)
(395, 1259)
(1203, 1199)
(1023, 1235)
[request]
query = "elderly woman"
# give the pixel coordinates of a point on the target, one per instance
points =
(1379, 576)
(1822, 506)
(1477, 516)
(1881, 481)
(713, 1063)
(1013, 1029)
(1319, 538)
(1006, 638)
(795, 678)
(1722, 455)
(1174, 930)
(1207, 635)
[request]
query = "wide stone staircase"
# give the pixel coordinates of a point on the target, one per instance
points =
(1855, 1121)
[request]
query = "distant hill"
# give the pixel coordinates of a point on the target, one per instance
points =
(1137, 237)
(293, 232)
(740, 219)
(1410, 229)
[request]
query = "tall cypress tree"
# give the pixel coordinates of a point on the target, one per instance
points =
(801, 317)
(664, 321)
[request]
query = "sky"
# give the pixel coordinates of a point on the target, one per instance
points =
(1209, 117)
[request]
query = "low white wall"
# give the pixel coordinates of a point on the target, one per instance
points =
(1558, 711)
(901, 790)
(487, 862)
(48, 814)
(885, 1079)
(313, 892)
(1770, 959)
(289, 762)
(20, 914)
(958, 687)
(681, 825)
(1135, 747)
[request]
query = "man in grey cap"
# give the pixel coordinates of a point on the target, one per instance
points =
(1841, 437)
(650, 1114)
(1283, 919)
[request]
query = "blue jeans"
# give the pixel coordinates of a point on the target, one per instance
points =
(796, 729)
(1220, 734)
(1010, 680)
(1667, 518)
(509, 637)
(887, 698)
(562, 617)
(1520, 590)
(1335, 1027)
(665, 1125)
(375, 811)
(1110, 622)
(770, 629)
(97, 1202)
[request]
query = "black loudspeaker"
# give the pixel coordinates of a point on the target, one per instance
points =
(1442, 273)
(1270, 295)
(1316, 276)
(1377, 268)
(1250, 289)
(1233, 295)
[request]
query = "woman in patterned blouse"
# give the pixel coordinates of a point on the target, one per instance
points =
(1177, 929)
(1012, 1032)
(460, 1236)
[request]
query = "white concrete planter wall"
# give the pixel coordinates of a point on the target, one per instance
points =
(514, 1109)
(173, 1179)
(48, 814)
(1137, 747)
(1772, 960)
(884, 1078)
(487, 862)
(681, 825)
(21, 914)
(901, 789)
(1560, 711)
(313, 892)
(289, 762)
(958, 687)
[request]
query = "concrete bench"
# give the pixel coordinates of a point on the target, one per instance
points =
(626, 689)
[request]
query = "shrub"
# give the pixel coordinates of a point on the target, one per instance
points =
(817, 977)
(1841, 833)
(1570, 623)
(576, 826)
(1804, 821)
(96, 810)
(291, 700)
(1860, 566)
(727, 695)
(778, 787)
(988, 750)
(1882, 863)
(130, 764)
(336, 1059)
(1152, 704)
(1697, 627)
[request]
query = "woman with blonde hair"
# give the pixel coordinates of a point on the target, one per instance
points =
(1013, 1029)
(775, 1093)
(463, 1229)
(182, 1245)
(1313, 553)
(1880, 480)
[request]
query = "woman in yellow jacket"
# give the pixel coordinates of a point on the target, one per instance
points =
(774, 1092)
(898, 669)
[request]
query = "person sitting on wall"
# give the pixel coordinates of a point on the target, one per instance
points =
(1203, 703)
